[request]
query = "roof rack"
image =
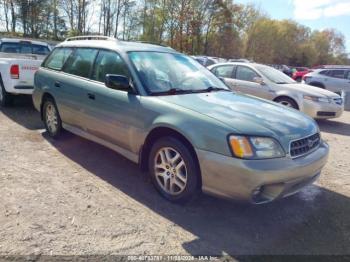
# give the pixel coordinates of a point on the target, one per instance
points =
(91, 37)
(334, 66)
(151, 43)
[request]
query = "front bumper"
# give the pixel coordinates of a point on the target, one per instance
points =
(319, 110)
(259, 181)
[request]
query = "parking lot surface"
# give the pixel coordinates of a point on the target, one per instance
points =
(72, 196)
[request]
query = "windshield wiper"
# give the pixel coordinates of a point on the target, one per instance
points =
(212, 89)
(171, 91)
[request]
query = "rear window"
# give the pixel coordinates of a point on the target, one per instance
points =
(324, 72)
(24, 48)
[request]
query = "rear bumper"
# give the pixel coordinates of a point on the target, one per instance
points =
(259, 181)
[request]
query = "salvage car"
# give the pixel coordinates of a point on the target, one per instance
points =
(19, 59)
(163, 110)
(268, 83)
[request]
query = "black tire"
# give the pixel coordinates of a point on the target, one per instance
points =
(191, 188)
(286, 101)
(49, 104)
(6, 99)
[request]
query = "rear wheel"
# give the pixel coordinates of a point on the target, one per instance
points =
(52, 119)
(173, 170)
(288, 102)
(5, 98)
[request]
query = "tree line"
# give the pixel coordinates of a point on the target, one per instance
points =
(220, 28)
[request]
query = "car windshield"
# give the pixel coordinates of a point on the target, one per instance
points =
(275, 75)
(163, 73)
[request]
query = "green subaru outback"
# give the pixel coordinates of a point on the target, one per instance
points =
(178, 121)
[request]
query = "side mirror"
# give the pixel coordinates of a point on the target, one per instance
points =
(118, 82)
(259, 80)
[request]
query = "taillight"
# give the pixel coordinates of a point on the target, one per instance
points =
(14, 72)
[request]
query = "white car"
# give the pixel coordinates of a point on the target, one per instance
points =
(269, 83)
(19, 60)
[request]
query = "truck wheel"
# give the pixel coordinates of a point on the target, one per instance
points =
(5, 98)
(52, 119)
(173, 170)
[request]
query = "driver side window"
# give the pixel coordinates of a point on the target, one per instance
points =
(246, 74)
(108, 62)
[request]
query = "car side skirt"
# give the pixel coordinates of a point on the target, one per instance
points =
(126, 153)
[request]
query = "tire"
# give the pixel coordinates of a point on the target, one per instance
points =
(6, 99)
(286, 101)
(298, 79)
(51, 118)
(174, 171)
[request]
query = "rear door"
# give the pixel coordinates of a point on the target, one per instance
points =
(245, 82)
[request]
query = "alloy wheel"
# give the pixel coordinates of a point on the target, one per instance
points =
(51, 118)
(170, 171)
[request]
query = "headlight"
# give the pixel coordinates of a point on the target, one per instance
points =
(255, 147)
(317, 99)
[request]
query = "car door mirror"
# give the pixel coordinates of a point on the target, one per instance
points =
(259, 80)
(118, 82)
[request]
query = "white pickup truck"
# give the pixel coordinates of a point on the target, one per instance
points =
(19, 60)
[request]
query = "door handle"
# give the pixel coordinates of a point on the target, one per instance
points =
(91, 96)
(57, 84)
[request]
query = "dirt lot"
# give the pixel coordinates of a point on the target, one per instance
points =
(75, 197)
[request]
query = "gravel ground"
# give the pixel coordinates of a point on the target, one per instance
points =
(72, 196)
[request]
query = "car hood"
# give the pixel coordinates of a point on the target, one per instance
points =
(310, 90)
(249, 115)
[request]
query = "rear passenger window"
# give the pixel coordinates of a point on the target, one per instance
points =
(57, 58)
(224, 71)
(324, 72)
(108, 62)
(80, 62)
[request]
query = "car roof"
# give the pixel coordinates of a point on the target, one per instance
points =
(17, 40)
(238, 63)
(116, 45)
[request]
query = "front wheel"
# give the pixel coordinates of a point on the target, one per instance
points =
(288, 102)
(173, 170)
(52, 119)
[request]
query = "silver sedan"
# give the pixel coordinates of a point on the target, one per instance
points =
(268, 83)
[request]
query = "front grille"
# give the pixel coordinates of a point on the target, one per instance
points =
(305, 145)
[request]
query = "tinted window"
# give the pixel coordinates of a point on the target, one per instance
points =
(57, 58)
(108, 63)
(245, 74)
(24, 48)
(224, 71)
(80, 62)
(40, 50)
(324, 72)
(337, 73)
(347, 75)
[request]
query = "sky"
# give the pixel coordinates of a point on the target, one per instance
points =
(316, 14)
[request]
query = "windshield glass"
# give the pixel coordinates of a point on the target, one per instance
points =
(163, 72)
(275, 75)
